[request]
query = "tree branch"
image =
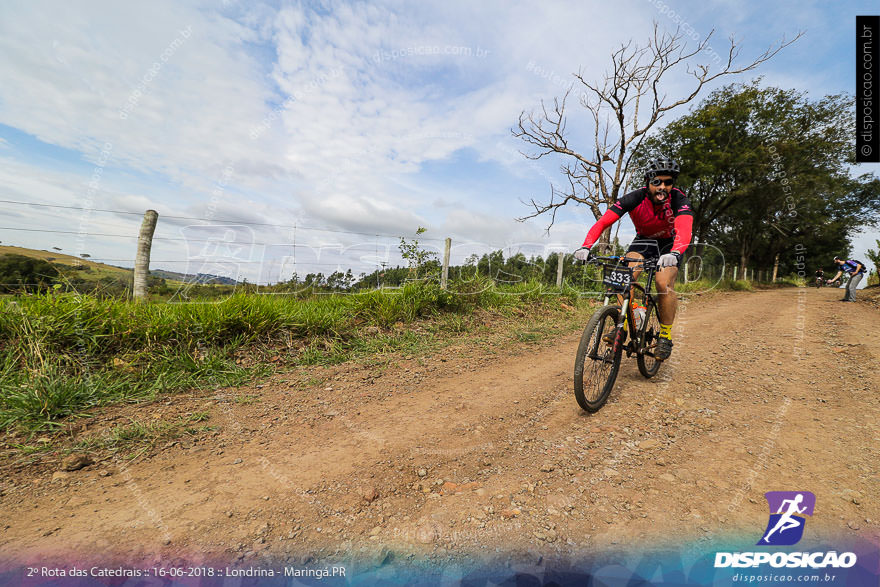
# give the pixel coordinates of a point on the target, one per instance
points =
(632, 85)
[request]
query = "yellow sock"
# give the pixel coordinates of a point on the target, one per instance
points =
(666, 331)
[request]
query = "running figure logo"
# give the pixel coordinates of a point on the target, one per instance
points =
(787, 511)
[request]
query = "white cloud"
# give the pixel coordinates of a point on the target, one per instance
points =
(356, 119)
(349, 101)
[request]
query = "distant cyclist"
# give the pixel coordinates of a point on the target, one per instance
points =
(663, 219)
(855, 269)
(820, 276)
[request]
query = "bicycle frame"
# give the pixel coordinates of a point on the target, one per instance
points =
(601, 347)
(649, 268)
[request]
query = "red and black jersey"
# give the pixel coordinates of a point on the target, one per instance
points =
(672, 219)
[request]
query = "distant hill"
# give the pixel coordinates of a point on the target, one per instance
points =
(90, 270)
(205, 278)
(71, 266)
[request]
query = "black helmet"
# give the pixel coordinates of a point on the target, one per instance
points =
(661, 165)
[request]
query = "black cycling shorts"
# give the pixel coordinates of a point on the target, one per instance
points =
(650, 248)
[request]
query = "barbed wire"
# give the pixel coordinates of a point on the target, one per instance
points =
(155, 238)
(194, 240)
(207, 262)
(294, 226)
(194, 261)
(197, 240)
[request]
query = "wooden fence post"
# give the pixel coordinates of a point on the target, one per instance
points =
(444, 276)
(142, 260)
(559, 269)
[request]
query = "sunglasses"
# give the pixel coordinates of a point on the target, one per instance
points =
(657, 181)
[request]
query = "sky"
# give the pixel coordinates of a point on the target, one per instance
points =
(310, 136)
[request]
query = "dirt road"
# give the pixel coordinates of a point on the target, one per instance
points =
(481, 448)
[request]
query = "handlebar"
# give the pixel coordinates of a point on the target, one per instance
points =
(617, 259)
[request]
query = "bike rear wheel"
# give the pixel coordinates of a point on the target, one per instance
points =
(649, 333)
(597, 363)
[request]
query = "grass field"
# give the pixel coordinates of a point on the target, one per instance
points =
(66, 263)
(71, 267)
(62, 354)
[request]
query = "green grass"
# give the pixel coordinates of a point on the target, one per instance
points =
(63, 354)
(706, 285)
(38, 396)
(135, 433)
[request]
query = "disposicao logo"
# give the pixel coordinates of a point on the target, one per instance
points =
(788, 511)
(787, 521)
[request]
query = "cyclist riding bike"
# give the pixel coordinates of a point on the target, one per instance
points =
(663, 219)
(820, 276)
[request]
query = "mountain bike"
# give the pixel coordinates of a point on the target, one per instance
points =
(820, 281)
(605, 338)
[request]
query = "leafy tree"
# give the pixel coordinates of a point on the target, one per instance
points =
(874, 257)
(622, 109)
(766, 168)
(19, 273)
(418, 258)
(314, 280)
(340, 281)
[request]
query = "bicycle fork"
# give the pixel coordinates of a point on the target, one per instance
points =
(625, 322)
(620, 333)
(620, 329)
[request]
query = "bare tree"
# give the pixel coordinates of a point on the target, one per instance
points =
(629, 102)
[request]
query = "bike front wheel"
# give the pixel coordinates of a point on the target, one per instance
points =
(649, 334)
(598, 359)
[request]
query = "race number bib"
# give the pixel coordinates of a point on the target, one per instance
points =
(617, 278)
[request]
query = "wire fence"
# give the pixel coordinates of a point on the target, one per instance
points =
(261, 252)
(265, 253)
